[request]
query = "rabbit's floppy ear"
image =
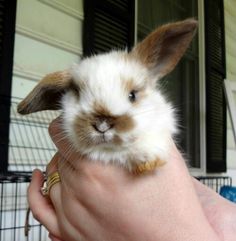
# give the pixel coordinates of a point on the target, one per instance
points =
(47, 93)
(162, 49)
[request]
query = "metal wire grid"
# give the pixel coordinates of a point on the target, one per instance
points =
(13, 206)
(30, 146)
(215, 182)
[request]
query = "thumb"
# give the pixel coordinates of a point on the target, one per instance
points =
(41, 206)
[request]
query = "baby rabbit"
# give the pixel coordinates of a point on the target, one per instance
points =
(112, 110)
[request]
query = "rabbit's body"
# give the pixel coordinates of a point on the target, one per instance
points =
(112, 109)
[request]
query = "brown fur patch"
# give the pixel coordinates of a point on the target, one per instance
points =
(147, 167)
(128, 84)
(83, 127)
(59, 78)
(101, 110)
(46, 95)
(117, 140)
(163, 48)
(141, 94)
(124, 123)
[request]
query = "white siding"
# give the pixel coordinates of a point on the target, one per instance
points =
(48, 38)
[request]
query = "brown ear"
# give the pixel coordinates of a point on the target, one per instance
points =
(47, 93)
(163, 48)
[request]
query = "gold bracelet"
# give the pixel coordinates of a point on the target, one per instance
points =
(51, 180)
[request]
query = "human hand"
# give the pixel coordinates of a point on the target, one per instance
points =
(220, 212)
(98, 203)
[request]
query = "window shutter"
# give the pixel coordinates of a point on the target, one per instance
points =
(108, 24)
(7, 34)
(215, 74)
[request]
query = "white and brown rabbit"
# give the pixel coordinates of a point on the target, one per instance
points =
(112, 110)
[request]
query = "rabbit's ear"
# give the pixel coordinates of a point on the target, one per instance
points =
(47, 93)
(161, 50)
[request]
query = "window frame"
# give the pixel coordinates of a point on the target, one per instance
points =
(202, 91)
(210, 163)
(202, 86)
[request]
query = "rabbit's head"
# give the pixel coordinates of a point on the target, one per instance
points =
(111, 106)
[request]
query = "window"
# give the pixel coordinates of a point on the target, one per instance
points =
(202, 120)
(182, 85)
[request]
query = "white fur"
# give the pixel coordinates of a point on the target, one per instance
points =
(102, 77)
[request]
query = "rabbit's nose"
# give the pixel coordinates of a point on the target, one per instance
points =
(102, 125)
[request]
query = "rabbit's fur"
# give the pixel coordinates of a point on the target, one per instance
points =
(112, 110)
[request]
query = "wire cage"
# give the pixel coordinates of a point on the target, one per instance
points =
(215, 182)
(28, 146)
(14, 207)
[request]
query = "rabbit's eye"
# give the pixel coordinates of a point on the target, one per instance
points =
(132, 96)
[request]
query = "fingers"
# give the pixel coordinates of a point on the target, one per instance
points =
(54, 192)
(40, 206)
(56, 133)
(53, 238)
(54, 126)
(59, 138)
(53, 164)
(208, 196)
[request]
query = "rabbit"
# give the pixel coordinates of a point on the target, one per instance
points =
(112, 108)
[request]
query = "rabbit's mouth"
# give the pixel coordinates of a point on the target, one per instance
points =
(107, 138)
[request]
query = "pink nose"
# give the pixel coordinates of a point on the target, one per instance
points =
(102, 125)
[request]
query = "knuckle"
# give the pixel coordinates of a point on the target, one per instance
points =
(53, 126)
(36, 215)
(29, 190)
(52, 165)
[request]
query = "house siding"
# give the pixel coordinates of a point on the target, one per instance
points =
(48, 38)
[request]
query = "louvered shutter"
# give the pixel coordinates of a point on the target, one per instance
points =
(215, 74)
(7, 34)
(108, 24)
